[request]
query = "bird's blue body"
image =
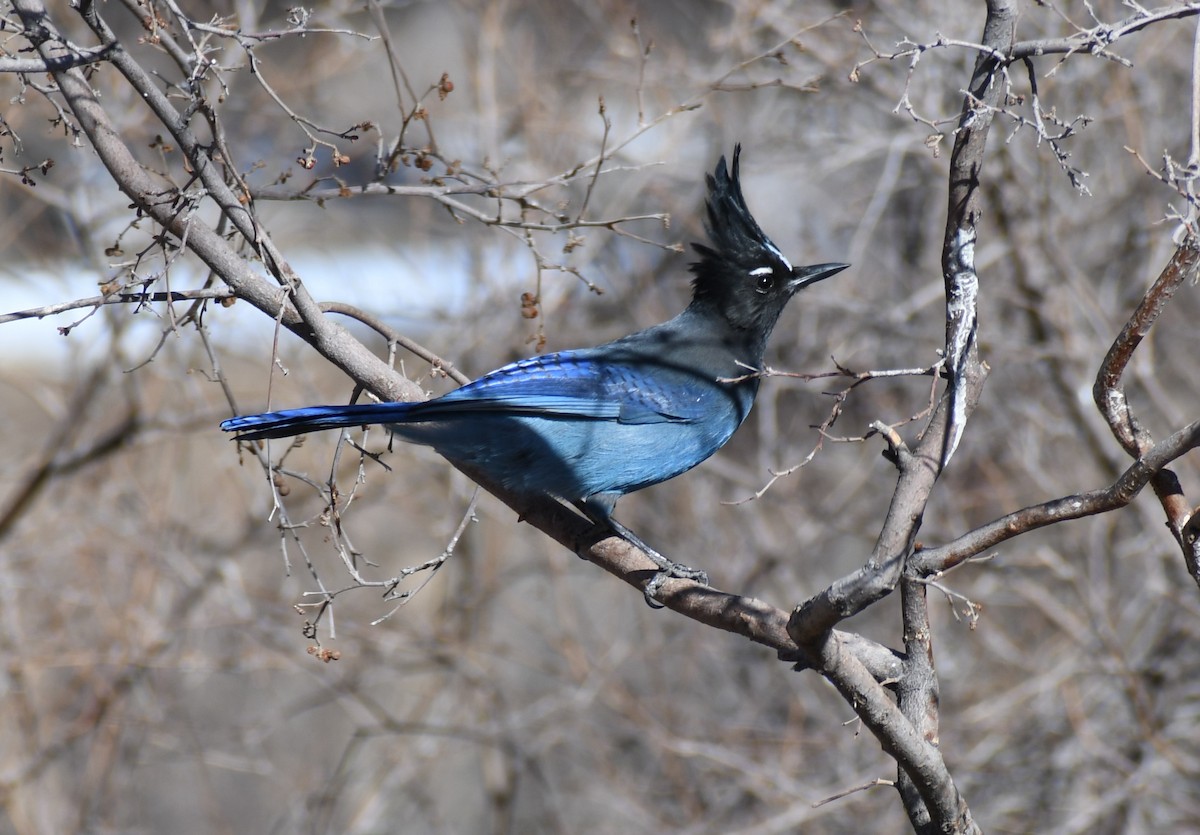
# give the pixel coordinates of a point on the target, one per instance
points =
(593, 424)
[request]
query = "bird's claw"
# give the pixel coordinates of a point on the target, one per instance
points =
(670, 570)
(667, 569)
(651, 589)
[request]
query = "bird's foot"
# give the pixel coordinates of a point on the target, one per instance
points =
(669, 570)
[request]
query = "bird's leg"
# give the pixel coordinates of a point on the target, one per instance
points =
(666, 568)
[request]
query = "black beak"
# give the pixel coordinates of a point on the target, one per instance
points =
(804, 276)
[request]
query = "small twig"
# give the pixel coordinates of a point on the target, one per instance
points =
(898, 452)
(644, 50)
(394, 337)
(587, 196)
(840, 397)
(870, 784)
(970, 611)
(119, 298)
(1181, 178)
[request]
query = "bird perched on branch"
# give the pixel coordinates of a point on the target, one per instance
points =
(589, 425)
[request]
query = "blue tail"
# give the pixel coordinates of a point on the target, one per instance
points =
(311, 419)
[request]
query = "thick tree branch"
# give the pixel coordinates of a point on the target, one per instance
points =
(811, 623)
(920, 761)
(1097, 39)
(753, 619)
(917, 692)
(1109, 394)
(932, 801)
(919, 469)
(985, 94)
(1121, 492)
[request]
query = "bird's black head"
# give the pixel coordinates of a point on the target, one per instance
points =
(743, 274)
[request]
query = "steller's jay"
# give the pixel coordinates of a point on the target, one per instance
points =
(588, 426)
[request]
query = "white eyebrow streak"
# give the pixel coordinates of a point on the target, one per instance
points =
(782, 258)
(762, 271)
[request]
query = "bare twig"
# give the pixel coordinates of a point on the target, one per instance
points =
(857, 378)
(215, 293)
(870, 784)
(75, 58)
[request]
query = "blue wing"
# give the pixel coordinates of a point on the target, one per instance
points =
(629, 389)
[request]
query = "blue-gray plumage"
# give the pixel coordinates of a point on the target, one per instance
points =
(590, 425)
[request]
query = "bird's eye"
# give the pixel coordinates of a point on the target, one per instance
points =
(764, 279)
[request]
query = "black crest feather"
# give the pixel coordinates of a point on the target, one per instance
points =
(737, 241)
